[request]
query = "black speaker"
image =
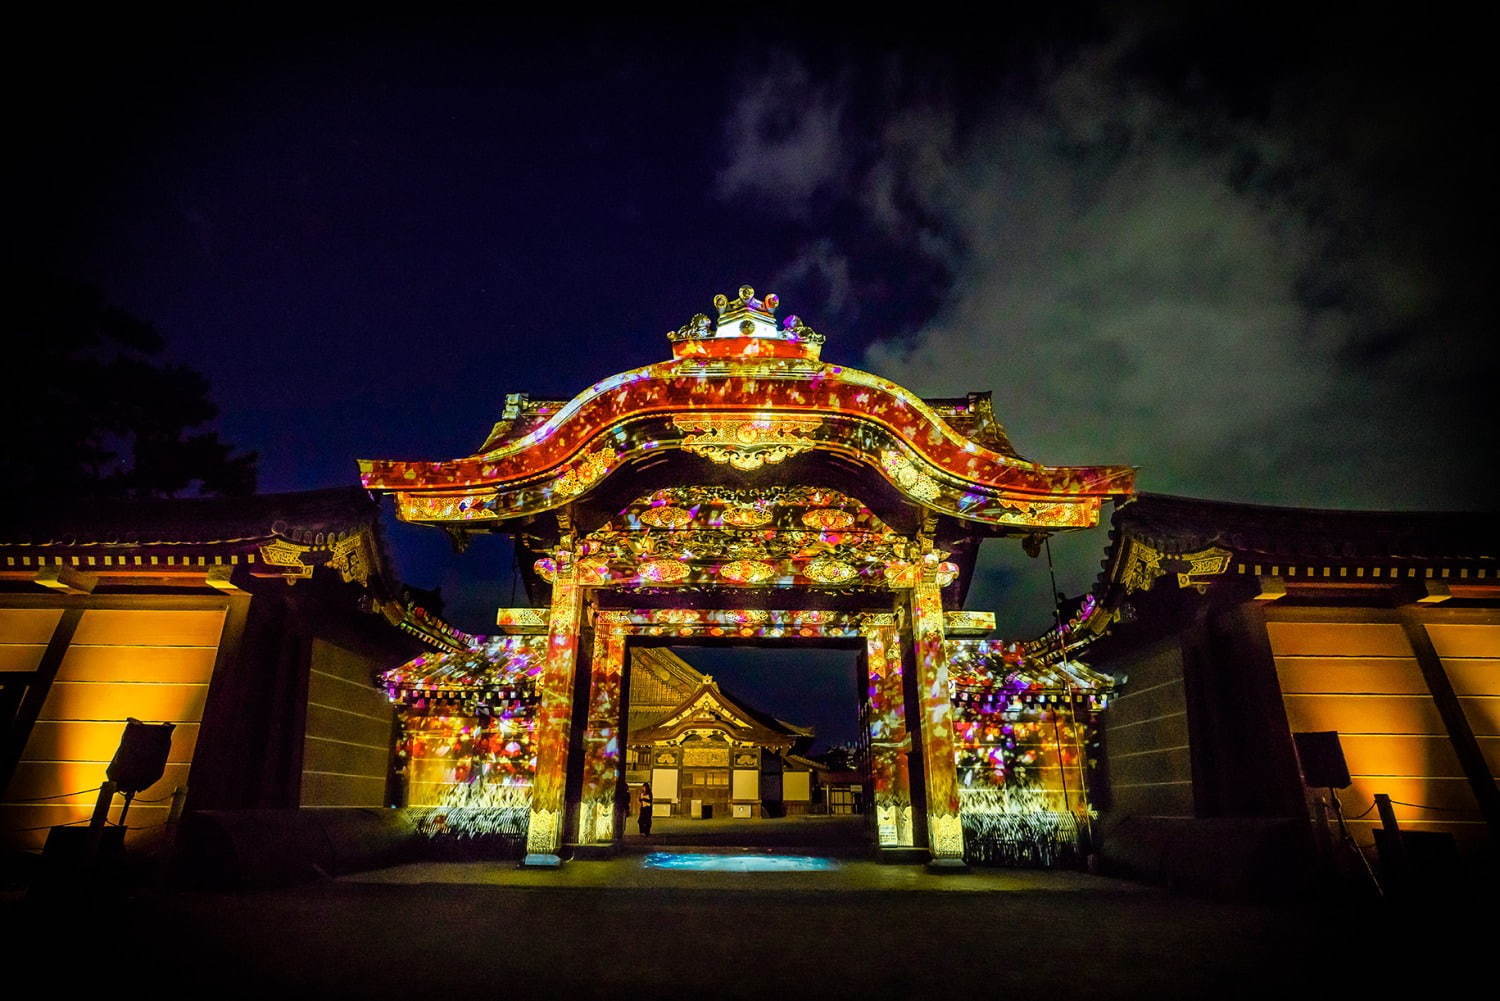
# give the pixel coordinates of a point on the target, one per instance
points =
(1322, 758)
(142, 757)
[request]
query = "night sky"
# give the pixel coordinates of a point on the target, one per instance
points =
(1247, 251)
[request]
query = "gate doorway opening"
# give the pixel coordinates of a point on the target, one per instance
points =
(747, 747)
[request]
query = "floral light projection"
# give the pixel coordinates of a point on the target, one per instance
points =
(885, 723)
(781, 536)
(747, 393)
(554, 721)
(1023, 729)
(599, 810)
(750, 542)
(467, 721)
(944, 827)
(1027, 732)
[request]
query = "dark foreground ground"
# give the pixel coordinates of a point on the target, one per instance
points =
(617, 929)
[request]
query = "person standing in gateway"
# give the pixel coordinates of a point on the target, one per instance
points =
(644, 819)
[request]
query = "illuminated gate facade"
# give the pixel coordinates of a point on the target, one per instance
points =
(747, 489)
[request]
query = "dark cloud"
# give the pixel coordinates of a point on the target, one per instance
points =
(1252, 278)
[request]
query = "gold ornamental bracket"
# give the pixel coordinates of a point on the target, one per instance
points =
(746, 443)
(1144, 565)
(523, 621)
(286, 558)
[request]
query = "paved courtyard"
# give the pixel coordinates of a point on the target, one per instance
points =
(618, 928)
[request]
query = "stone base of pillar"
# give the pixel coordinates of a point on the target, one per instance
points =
(947, 866)
(537, 860)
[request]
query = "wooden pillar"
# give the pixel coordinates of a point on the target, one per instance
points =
(945, 832)
(603, 741)
(890, 743)
(554, 722)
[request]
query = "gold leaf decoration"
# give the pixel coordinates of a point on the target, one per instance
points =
(595, 568)
(746, 517)
(666, 517)
(747, 443)
(827, 519)
(585, 473)
(746, 571)
(663, 571)
(899, 573)
(829, 571)
(908, 477)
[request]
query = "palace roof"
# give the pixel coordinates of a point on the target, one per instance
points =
(1161, 545)
(708, 707)
(224, 543)
(748, 395)
(1265, 534)
(309, 516)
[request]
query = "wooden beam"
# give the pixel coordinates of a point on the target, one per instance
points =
(36, 693)
(1460, 734)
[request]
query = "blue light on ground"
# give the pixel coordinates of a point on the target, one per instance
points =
(704, 862)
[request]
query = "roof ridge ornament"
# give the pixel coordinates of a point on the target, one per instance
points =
(746, 327)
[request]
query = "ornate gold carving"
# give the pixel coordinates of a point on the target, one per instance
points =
(348, 557)
(746, 517)
(747, 443)
(596, 821)
(947, 835)
(663, 571)
(593, 570)
(695, 329)
(666, 517)
(523, 621)
(442, 507)
(908, 477)
(899, 573)
(1143, 565)
(705, 757)
(747, 571)
(287, 557)
(827, 519)
(585, 473)
(542, 833)
(826, 571)
(906, 825)
(962, 623)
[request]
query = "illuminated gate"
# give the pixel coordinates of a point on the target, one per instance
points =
(748, 489)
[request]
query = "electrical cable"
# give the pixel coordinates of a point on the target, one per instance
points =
(61, 795)
(1423, 806)
(44, 827)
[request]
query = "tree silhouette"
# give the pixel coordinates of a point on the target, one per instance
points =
(98, 413)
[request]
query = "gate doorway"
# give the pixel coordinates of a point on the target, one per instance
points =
(747, 747)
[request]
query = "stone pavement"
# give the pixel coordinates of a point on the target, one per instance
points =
(616, 929)
(629, 872)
